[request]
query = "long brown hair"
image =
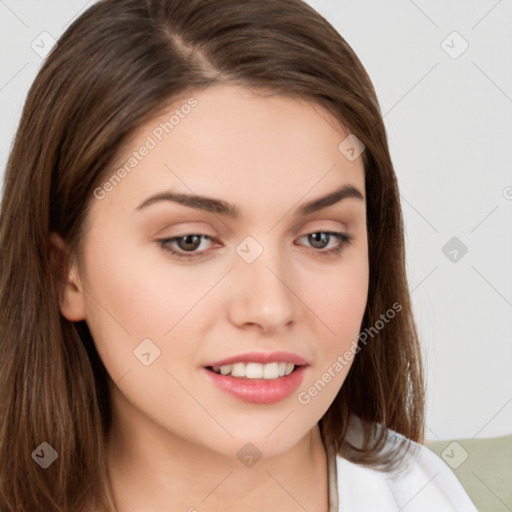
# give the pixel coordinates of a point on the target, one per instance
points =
(113, 69)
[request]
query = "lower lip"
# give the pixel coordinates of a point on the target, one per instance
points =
(259, 391)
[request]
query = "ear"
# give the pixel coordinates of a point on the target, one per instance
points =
(71, 294)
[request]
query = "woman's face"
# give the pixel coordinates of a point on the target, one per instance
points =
(184, 335)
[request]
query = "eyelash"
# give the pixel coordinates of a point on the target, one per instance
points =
(344, 240)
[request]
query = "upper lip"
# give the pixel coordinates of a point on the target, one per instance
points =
(262, 358)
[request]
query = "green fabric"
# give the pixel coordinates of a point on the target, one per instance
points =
(484, 468)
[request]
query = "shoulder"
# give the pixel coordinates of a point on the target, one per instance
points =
(423, 483)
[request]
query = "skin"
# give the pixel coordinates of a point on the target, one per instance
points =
(176, 436)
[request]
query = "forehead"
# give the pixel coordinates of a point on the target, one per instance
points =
(255, 149)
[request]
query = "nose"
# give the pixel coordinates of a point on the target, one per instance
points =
(262, 295)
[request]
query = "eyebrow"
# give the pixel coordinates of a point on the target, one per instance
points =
(212, 205)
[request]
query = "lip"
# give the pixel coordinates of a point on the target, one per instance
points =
(262, 358)
(258, 391)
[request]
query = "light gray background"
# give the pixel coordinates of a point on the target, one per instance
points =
(449, 127)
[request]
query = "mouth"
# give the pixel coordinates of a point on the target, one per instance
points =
(268, 371)
(257, 377)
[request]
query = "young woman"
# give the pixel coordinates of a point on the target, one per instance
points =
(203, 296)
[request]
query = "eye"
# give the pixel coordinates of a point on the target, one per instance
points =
(187, 245)
(321, 239)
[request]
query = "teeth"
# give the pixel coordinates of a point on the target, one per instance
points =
(270, 371)
(256, 370)
(238, 370)
(225, 369)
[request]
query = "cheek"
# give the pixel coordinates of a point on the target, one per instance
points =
(135, 294)
(138, 289)
(339, 299)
